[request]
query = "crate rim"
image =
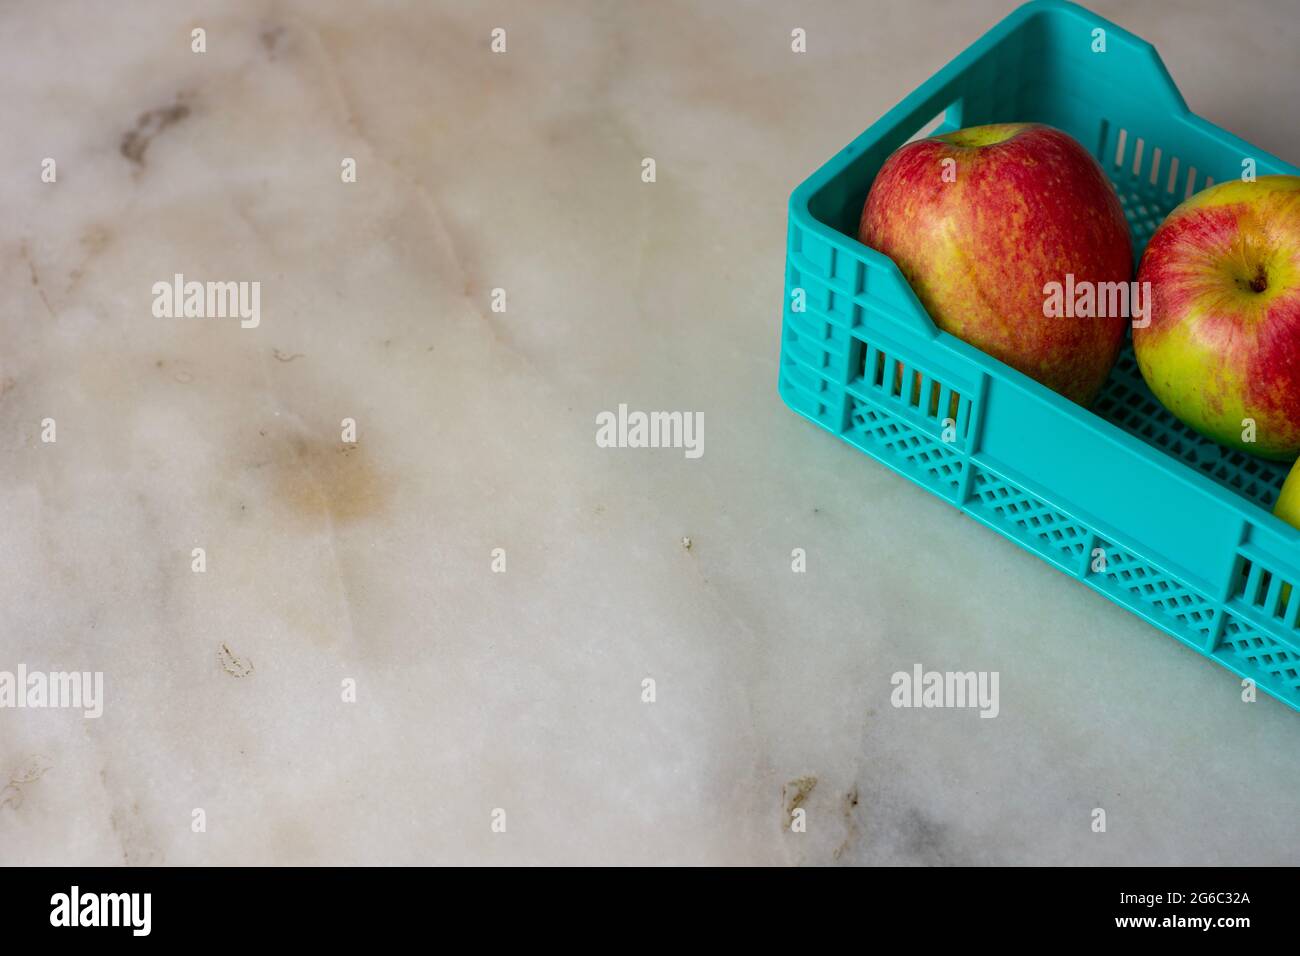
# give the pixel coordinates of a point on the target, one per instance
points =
(914, 110)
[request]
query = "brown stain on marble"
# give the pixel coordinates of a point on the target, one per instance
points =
(272, 37)
(232, 663)
(25, 252)
(851, 827)
(324, 480)
(11, 794)
(138, 845)
(94, 240)
(135, 142)
(793, 796)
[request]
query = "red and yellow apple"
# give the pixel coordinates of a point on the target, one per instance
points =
(1287, 506)
(1222, 350)
(981, 220)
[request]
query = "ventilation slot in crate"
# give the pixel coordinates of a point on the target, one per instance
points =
(1265, 591)
(1028, 519)
(1250, 650)
(909, 389)
(932, 463)
(1129, 574)
(1147, 180)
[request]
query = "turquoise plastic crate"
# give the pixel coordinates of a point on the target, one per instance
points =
(1184, 524)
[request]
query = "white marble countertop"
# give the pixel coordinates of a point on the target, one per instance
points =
(325, 562)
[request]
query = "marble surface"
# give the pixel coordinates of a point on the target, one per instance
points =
(372, 562)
